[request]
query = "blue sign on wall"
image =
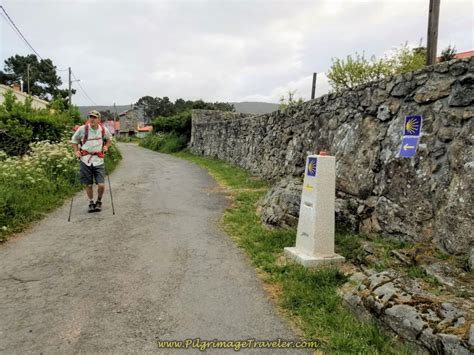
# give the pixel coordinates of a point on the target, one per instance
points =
(412, 126)
(312, 166)
(408, 148)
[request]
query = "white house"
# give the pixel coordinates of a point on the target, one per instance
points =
(37, 103)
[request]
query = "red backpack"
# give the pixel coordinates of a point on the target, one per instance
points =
(86, 133)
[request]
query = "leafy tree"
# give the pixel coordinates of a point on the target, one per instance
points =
(44, 81)
(286, 103)
(154, 107)
(358, 70)
(165, 107)
(181, 105)
(221, 106)
(448, 53)
(406, 59)
(149, 105)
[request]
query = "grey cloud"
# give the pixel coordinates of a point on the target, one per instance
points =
(217, 50)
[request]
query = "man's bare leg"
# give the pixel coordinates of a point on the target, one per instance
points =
(100, 190)
(90, 192)
(100, 193)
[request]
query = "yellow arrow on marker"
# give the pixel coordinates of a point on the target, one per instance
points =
(406, 147)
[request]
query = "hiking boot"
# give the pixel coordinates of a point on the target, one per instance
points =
(91, 207)
(98, 206)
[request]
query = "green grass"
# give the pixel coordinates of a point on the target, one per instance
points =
(417, 272)
(351, 247)
(310, 296)
(225, 173)
(21, 206)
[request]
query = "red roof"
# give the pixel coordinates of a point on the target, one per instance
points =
(145, 129)
(464, 55)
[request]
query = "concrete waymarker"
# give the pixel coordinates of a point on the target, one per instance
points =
(316, 224)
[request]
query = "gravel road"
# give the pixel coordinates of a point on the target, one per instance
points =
(160, 269)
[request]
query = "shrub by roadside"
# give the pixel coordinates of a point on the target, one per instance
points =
(35, 183)
(164, 142)
(21, 125)
(173, 133)
(38, 169)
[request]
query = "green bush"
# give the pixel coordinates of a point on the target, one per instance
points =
(34, 183)
(165, 143)
(112, 158)
(179, 124)
(357, 70)
(21, 125)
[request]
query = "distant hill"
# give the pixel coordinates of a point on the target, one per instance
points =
(255, 107)
(84, 110)
(241, 107)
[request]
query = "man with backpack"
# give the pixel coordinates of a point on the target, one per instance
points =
(90, 143)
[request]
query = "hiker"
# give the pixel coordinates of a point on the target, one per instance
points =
(90, 143)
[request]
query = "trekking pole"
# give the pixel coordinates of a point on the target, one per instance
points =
(70, 209)
(110, 189)
(72, 199)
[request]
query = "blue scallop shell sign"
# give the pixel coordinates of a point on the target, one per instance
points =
(412, 126)
(312, 166)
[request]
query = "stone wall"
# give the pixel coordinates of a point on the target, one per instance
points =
(425, 198)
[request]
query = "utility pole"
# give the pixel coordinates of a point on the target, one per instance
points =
(433, 19)
(115, 119)
(70, 89)
(28, 76)
(313, 90)
(70, 93)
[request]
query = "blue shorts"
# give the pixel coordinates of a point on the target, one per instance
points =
(89, 174)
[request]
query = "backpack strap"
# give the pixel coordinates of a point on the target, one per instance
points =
(86, 134)
(102, 129)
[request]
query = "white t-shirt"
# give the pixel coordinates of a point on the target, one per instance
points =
(94, 143)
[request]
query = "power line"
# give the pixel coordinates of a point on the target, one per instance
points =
(18, 32)
(9, 24)
(14, 27)
(84, 91)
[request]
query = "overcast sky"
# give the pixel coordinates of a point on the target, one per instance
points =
(218, 50)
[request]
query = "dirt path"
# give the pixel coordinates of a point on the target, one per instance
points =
(159, 269)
